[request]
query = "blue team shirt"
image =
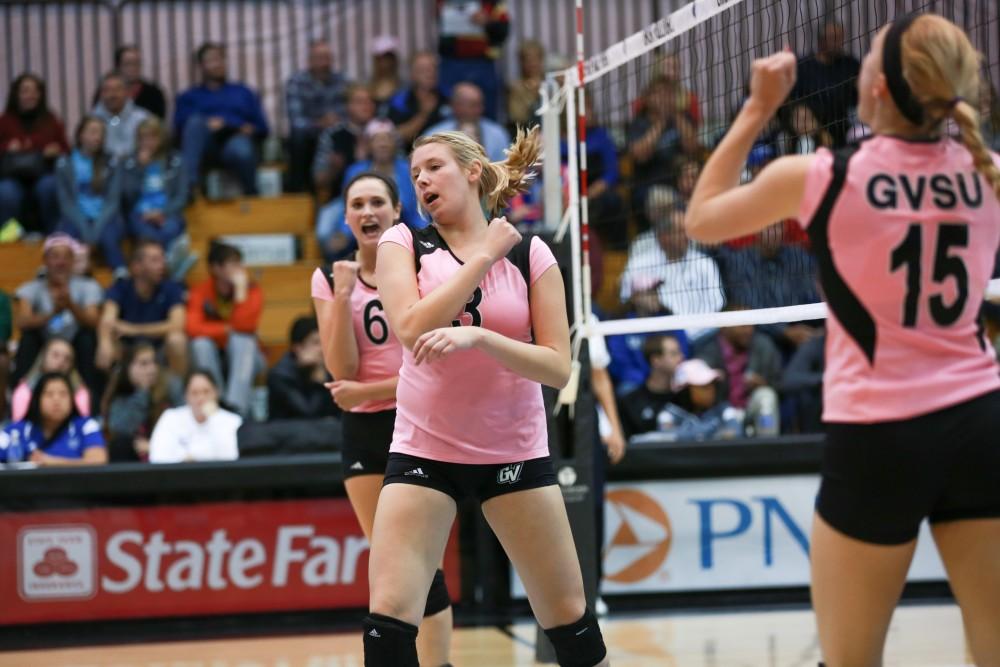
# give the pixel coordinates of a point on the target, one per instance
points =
(135, 310)
(20, 439)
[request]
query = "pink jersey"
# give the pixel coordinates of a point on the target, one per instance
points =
(905, 234)
(379, 351)
(468, 408)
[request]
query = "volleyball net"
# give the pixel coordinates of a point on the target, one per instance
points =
(645, 114)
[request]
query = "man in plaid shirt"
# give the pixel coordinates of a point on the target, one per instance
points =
(315, 99)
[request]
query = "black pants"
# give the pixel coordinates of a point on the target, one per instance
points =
(301, 151)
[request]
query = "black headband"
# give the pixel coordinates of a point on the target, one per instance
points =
(892, 67)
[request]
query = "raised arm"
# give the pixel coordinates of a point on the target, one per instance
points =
(336, 326)
(720, 207)
(410, 316)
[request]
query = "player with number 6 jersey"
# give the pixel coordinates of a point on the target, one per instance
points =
(905, 229)
(364, 356)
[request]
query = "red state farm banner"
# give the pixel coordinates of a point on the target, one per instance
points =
(181, 560)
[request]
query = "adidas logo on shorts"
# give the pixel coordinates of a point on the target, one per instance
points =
(416, 472)
(374, 633)
(357, 466)
(427, 244)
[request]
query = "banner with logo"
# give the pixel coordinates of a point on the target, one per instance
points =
(739, 533)
(719, 534)
(182, 560)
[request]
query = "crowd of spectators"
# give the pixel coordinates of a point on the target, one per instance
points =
(152, 368)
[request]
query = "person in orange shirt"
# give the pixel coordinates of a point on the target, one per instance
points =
(223, 313)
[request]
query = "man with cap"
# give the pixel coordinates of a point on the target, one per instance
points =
(58, 302)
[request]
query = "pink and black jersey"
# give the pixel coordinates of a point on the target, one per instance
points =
(906, 235)
(468, 408)
(379, 351)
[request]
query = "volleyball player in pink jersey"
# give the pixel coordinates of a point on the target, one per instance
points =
(905, 229)
(364, 357)
(481, 314)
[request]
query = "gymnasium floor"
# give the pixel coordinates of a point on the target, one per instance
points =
(920, 636)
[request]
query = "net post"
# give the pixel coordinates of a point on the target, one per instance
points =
(576, 472)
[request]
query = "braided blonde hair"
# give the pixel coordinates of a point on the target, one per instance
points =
(943, 71)
(500, 181)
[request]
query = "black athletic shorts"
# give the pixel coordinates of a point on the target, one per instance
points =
(367, 436)
(881, 480)
(461, 480)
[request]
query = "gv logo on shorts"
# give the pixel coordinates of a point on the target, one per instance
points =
(510, 473)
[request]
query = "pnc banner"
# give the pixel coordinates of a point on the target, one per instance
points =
(185, 560)
(750, 532)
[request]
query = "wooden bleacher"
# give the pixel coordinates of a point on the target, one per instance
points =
(286, 288)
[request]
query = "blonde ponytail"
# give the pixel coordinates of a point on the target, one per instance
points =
(500, 181)
(967, 119)
(943, 70)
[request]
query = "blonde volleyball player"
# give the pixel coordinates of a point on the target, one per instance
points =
(905, 228)
(481, 314)
(364, 357)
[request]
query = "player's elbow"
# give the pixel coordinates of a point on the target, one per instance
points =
(698, 225)
(560, 373)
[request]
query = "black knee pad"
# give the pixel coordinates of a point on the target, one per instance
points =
(389, 642)
(437, 597)
(578, 644)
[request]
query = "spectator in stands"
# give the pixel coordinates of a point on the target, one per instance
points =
(802, 383)
(688, 171)
(139, 391)
(6, 330)
(222, 317)
(199, 430)
(629, 365)
(640, 407)
(316, 100)
(145, 307)
(145, 94)
(750, 365)
(668, 70)
(422, 104)
(385, 81)
(654, 144)
(707, 415)
(58, 303)
(382, 146)
(341, 145)
(826, 81)
(807, 135)
(772, 274)
(120, 114)
(606, 208)
(688, 278)
(219, 121)
(523, 95)
(57, 356)
(296, 384)
(89, 188)
(53, 433)
(155, 191)
(608, 420)
(31, 138)
(470, 40)
(467, 109)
